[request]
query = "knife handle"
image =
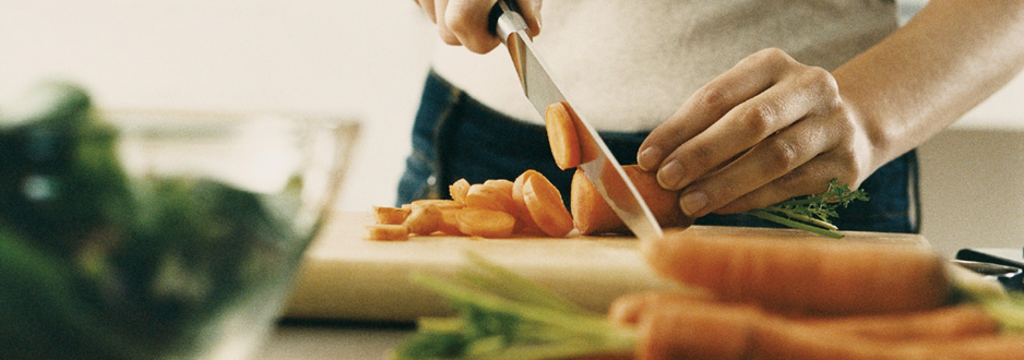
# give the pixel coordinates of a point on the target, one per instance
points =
(505, 19)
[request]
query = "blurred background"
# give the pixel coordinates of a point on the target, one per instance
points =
(366, 60)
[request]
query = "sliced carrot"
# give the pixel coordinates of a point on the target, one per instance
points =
(424, 219)
(492, 197)
(562, 136)
(390, 215)
(544, 204)
(440, 203)
(803, 276)
(485, 223)
(458, 190)
(387, 232)
(592, 215)
(449, 222)
(501, 184)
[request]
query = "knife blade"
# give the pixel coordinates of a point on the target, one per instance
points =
(597, 162)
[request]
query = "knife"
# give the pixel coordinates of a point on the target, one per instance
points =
(598, 163)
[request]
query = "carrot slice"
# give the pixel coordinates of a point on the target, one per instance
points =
(485, 223)
(440, 203)
(491, 197)
(387, 232)
(424, 220)
(501, 184)
(544, 204)
(449, 222)
(562, 136)
(592, 215)
(524, 222)
(390, 215)
(458, 190)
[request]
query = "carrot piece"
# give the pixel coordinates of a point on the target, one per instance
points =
(562, 136)
(544, 204)
(449, 222)
(524, 222)
(390, 215)
(458, 190)
(803, 276)
(424, 219)
(503, 185)
(592, 215)
(485, 223)
(440, 203)
(387, 232)
(491, 197)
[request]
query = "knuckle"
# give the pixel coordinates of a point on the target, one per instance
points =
(772, 56)
(781, 156)
(712, 97)
(822, 79)
(758, 120)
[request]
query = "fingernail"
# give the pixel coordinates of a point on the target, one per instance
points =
(648, 158)
(670, 175)
(693, 202)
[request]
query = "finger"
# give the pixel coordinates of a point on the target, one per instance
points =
(428, 9)
(736, 132)
(468, 21)
(440, 8)
(748, 78)
(810, 178)
(530, 10)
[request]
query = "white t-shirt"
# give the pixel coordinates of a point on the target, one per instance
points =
(629, 64)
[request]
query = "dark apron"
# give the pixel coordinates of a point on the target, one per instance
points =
(457, 137)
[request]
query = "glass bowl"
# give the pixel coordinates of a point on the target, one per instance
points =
(154, 235)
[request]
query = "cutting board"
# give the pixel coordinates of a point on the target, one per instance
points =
(345, 276)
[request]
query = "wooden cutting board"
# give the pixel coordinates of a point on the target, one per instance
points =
(347, 277)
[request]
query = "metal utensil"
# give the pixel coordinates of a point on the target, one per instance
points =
(597, 161)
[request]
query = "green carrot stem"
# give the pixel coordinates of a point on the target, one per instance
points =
(794, 224)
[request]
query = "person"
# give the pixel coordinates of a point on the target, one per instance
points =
(737, 105)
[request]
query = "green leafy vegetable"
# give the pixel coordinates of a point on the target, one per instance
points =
(504, 316)
(812, 212)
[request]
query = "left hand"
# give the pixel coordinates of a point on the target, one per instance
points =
(767, 130)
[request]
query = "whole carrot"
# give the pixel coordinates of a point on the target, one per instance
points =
(815, 276)
(592, 215)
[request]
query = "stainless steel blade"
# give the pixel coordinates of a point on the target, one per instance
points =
(598, 163)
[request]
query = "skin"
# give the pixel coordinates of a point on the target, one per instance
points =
(771, 128)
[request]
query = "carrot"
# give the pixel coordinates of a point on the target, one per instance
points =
(485, 223)
(440, 203)
(944, 323)
(809, 276)
(562, 136)
(424, 220)
(524, 222)
(501, 184)
(449, 223)
(458, 190)
(390, 215)
(672, 326)
(491, 197)
(544, 204)
(592, 215)
(387, 232)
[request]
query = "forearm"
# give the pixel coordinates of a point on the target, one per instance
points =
(926, 75)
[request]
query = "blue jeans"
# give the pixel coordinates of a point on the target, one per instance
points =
(456, 137)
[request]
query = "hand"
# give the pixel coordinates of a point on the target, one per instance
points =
(764, 131)
(464, 22)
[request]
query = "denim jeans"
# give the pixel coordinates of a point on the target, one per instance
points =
(455, 136)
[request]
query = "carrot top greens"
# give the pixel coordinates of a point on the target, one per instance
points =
(812, 212)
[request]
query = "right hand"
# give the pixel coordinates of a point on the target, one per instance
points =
(464, 22)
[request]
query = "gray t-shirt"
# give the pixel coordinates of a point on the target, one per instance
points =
(628, 65)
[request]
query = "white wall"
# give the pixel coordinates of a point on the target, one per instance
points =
(366, 60)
